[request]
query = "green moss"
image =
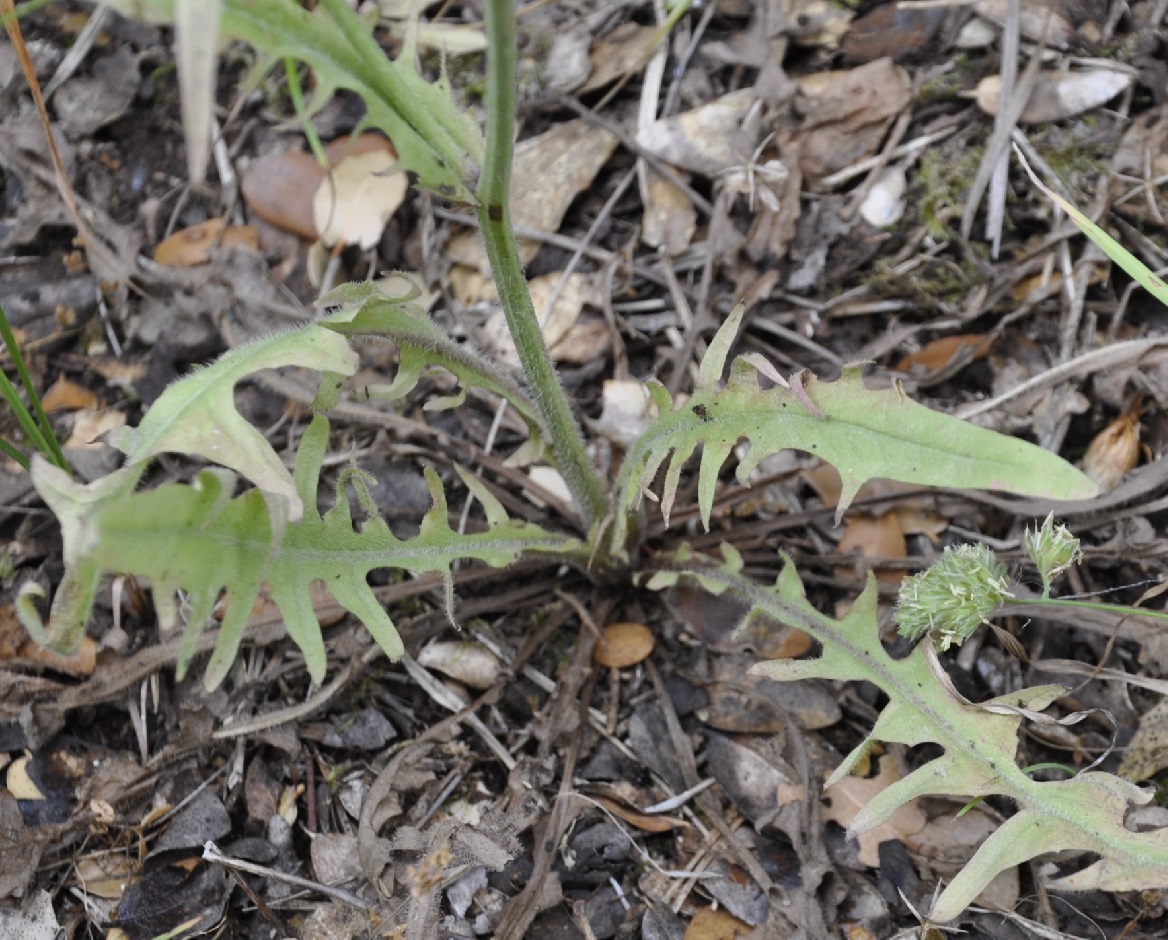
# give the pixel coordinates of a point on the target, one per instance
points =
(946, 175)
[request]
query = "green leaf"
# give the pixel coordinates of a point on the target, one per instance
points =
(1108, 245)
(863, 433)
(197, 416)
(200, 540)
(1084, 814)
(366, 309)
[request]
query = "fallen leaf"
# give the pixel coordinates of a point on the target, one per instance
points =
(844, 801)
(557, 327)
(885, 203)
(1036, 20)
(626, 49)
(716, 924)
(941, 352)
(1115, 450)
(64, 395)
(1058, 95)
(470, 663)
(623, 644)
(91, 423)
(192, 246)
(1147, 753)
(105, 876)
(355, 200)
(279, 188)
(843, 116)
(646, 822)
(949, 842)
(626, 410)
(876, 537)
(707, 140)
(670, 219)
(899, 31)
(553, 168)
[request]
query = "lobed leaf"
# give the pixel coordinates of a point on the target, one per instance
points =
(1084, 814)
(365, 309)
(862, 432)
(201, 540)
(196, 415)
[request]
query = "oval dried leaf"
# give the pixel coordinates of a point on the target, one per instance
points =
(1057, 95)
(1114, 451)
(623, 644)
(353, 203)
(468, 663)
(191, 246)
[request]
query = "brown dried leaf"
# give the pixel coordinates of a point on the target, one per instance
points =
(1115, 450)
(192, 246)
(876, 537)
(842, 117)
(938, 354)
(626, 49)
(706, 140)
(623, 644)
(64, 395)
(469, 663)
(716, 924)
(643, 821)
(845, 800)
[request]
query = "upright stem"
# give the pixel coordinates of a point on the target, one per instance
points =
(494, 217)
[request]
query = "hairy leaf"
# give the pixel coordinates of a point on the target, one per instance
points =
(196, 415)
(366, 309)
(1083, 814)
(863, 433)
(420, 118)
(200, 540)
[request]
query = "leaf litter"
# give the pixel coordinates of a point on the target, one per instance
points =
(839, 189)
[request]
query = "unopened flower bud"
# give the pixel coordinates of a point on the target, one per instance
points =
(1053, 550)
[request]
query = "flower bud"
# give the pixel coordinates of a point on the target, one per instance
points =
(951, 599)
(1053, 551)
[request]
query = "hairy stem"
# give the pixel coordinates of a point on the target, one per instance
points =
(567, 441)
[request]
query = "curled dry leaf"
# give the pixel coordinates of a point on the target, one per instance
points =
(1058, 95)
(623, 644)
(353, 202)
(1115, 450)
(191, 246)
(469, 663)
(643, 821)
